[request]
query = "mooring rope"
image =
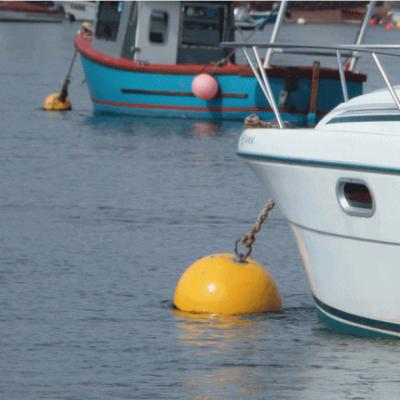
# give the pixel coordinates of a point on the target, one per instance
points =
(250, 237)
(67, 80)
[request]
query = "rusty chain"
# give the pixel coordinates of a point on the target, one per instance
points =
(250, 237)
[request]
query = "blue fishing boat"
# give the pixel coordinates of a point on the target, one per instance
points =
(165, 59)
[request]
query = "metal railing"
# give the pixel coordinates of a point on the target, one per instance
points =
(339, 51)
(358, 40)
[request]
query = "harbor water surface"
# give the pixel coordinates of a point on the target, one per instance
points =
(101, 214)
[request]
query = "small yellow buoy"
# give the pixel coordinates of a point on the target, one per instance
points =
(54, 102)
(221, 284)
(59, 101)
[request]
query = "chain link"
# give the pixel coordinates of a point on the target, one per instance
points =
(250, 237)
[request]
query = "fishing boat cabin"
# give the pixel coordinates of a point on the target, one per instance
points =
(164, 32)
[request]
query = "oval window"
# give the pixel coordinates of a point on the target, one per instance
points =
(355, 197)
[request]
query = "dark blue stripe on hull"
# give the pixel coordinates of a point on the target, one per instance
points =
(368, 326)
(318, 163)
(364, 118)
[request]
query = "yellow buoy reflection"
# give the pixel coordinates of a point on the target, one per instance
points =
(204, 330)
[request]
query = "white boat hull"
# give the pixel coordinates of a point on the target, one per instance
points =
(80, 10)
(352, 262)
(353, 281)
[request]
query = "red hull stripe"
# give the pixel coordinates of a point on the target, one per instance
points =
(185, 108)
(84, 46)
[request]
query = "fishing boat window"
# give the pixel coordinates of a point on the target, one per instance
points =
(202, 26)
(355, 198)
(108, 17)
(158, 26)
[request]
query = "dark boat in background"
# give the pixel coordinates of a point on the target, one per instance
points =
(27, 11)
(333, 12)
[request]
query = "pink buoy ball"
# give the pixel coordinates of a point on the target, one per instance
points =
(205, 86)
(389, 26)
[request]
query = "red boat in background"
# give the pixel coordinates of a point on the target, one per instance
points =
(38, 11)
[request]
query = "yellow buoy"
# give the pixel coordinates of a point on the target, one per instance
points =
(54, 102)
(59, 101)
(220, 284)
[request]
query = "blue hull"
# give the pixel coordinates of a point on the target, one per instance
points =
(169, 95)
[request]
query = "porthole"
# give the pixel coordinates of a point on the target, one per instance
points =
(355, 197)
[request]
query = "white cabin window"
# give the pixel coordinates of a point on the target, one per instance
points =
(108, 17)
(203, 25)
(158, 26)
(355, 197)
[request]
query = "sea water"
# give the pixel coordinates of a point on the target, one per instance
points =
(101, 214)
